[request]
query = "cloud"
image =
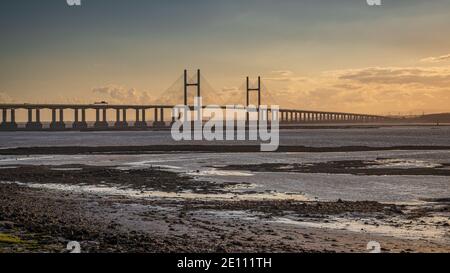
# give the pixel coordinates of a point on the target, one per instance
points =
(347, 86)
(121, 95)
(435, 76)
(437, 59)
(284, 76)
(372, 90)
(5, 98)
(284, 73)
(376, 90)
(233, 95)
(231, 89)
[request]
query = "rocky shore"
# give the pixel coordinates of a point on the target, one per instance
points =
(34, 218)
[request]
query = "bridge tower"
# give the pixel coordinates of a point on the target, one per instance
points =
(257, 89)
(253, 89)
(188, 84)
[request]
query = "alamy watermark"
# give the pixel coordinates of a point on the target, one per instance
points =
(374, 247)
(232, 123)
(374, 2)
(73, 2)
(74, 247)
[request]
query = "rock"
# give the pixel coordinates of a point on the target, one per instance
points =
(237, 243)
(7, 224)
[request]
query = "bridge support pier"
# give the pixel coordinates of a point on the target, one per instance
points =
(8, 125)
(57, 125)
(121, 123)
(100, 123)
(140, 123)
(159, 122)
(34, 125)
(77, 124)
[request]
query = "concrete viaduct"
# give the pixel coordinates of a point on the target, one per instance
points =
(160, 114)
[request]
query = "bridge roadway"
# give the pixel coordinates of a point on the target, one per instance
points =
(158, 120)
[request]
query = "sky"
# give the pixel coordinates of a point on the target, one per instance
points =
(332, 55)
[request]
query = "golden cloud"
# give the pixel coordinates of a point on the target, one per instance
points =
(434, 76)
(377, 90)
(5, 98)
(119, 94)
(437, 59)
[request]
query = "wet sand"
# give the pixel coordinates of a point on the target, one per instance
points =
(142, 179)
(45, 220)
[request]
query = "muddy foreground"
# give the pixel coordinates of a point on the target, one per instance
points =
(35, 218)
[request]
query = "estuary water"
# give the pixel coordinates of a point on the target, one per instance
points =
(374, 137)
(321, 186)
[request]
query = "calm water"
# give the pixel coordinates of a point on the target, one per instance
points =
(376, 137)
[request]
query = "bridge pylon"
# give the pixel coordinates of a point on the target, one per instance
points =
(257, 89)
(188, 84)
(253, 89)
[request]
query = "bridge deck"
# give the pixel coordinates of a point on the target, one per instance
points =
(8, 112)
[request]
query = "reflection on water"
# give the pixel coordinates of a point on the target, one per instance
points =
(111, 190)
(402, 229)
(320, 186)
(404, 163)
(214, 172)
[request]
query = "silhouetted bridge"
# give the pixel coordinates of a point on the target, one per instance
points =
(152, 116)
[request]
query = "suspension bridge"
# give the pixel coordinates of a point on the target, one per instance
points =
(160, 114)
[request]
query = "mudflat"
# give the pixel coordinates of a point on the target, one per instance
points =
(187, 215)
